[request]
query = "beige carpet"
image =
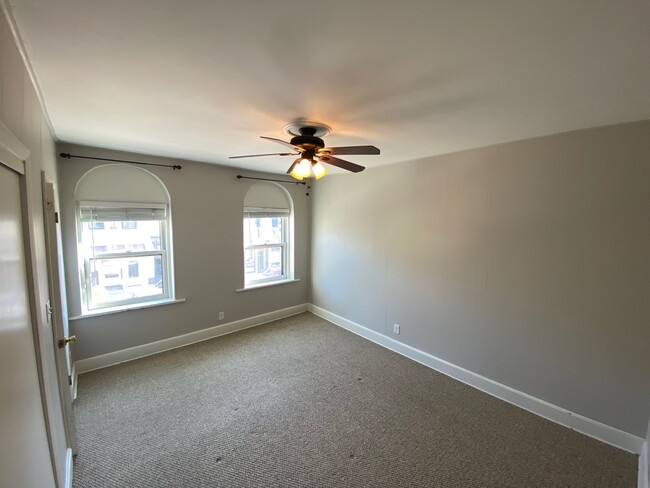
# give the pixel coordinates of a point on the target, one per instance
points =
(303, 403)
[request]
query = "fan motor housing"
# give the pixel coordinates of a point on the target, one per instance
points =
(308, 142)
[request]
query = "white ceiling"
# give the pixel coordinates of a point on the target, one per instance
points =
(202, 79)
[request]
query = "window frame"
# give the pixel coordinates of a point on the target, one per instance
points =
(287, 272)
(85, 258)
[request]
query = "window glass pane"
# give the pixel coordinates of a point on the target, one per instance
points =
(266, 230)
(264, 263)
(134, 269)
(118, 237)
(119, 279)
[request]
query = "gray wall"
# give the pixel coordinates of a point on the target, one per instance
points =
(207, 212)
(527, 263)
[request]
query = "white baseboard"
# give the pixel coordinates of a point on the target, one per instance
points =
(117, 357)
(644, 467)
(592, 428)
(68, 468)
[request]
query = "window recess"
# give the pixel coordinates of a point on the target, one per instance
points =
(124, 253)
(266, 245)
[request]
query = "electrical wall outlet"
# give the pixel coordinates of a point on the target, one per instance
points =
(396, 328)
(221, 315)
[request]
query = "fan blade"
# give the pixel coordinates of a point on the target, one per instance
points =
(280, 141)
(340, 163)
(359, 150)
(258, 155)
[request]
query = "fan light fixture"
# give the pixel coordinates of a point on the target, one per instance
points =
(319, 170)
(304, 167)
(301, 168)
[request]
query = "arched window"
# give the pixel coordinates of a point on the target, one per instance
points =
(123, 238)
(268, 230)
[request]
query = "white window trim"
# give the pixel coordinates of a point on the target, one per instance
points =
(287, 251)
(127, 308)
(267, 285)
(168, 295)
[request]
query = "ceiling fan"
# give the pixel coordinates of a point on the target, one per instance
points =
(312, 151)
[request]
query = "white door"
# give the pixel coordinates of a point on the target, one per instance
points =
(58, 310)
(24, 447)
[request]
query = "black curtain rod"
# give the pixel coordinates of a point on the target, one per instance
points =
(239, 177)
(69, 156)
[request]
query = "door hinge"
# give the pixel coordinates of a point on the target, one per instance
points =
(69, 380)
(56, 217)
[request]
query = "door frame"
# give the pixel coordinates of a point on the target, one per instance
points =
(58, 311)
(15, 155)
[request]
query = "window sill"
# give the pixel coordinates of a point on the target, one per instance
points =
(266, 285)
(127, 308)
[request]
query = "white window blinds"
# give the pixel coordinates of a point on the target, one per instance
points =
(121, 214)
(260, 213)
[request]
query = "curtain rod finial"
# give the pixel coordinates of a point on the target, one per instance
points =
(65, 155)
